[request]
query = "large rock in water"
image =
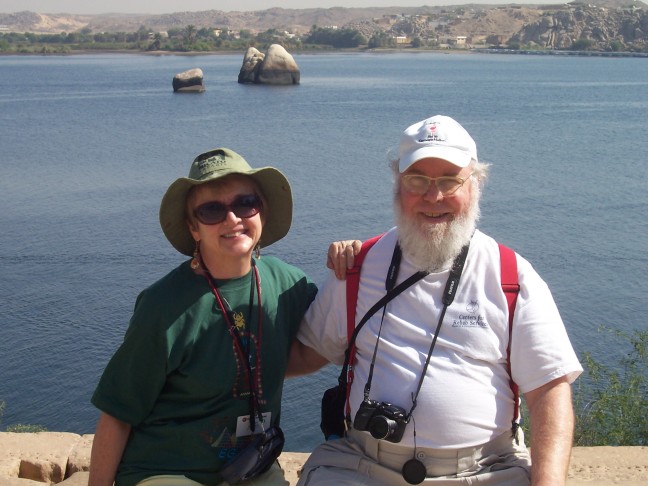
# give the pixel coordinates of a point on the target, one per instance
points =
(251, 60)
(190, 81)
(276, 67)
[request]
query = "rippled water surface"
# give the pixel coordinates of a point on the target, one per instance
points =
(88, 145)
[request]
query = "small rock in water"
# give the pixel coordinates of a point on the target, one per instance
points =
(190, 81)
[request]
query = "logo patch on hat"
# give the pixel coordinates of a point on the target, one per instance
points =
(431, 133)
(211, 164)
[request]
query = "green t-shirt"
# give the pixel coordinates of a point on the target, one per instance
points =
(177, 379)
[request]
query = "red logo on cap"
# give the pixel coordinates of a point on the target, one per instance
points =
(432, 135)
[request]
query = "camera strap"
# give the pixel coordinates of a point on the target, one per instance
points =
(346, 375)
(448, 297)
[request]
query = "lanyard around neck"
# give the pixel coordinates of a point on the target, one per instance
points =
(251, 366)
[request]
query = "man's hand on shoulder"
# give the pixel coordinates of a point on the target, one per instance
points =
(341, 256)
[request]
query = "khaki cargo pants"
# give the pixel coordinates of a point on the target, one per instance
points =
(360, 460)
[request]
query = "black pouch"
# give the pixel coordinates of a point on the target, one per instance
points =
(333, 402)
(256, 458)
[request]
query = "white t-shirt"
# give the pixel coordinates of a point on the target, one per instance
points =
(466, 399)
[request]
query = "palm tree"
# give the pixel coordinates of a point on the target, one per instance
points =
(189, 35)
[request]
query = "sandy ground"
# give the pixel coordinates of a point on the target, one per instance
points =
(605, 466)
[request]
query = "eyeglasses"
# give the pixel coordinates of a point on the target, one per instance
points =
(214, 212)
(419, 184)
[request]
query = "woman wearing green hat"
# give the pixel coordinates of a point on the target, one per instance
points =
(192, 396)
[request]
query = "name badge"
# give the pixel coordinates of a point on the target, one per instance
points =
(243, 424)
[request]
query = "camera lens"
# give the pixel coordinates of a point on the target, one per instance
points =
(381, 427)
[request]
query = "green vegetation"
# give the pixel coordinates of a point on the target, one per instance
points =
(337, 38)
(582, 45)
(417, 42)
(188, 39)
(192, 39)
(20, 427)
(612, 406)
(381, 39)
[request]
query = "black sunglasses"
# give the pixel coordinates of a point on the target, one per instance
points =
(214, 212)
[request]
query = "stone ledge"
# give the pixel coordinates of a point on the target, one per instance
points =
(44, 457)
(64, 458)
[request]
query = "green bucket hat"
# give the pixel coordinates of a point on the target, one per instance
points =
(211, 166)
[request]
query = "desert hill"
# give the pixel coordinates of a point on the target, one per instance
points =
(548, 26)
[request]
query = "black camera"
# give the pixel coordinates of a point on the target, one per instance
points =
(382, 420)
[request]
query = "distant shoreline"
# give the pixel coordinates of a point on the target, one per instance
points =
(562, 53)
(338, 51)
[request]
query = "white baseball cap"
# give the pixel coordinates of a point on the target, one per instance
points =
(438, 137)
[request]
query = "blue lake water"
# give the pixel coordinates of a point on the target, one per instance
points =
(88, 145)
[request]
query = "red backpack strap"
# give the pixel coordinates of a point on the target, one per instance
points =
(352, 286)
(511, 288)
(353, 283)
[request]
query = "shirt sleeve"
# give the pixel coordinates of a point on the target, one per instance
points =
(540, 349)
(324, 325)
(135, 375)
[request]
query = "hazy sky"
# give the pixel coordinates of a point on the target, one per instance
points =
(168, 6)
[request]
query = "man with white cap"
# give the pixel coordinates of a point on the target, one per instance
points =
(432, 399)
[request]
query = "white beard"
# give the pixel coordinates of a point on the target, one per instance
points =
(433, 247)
